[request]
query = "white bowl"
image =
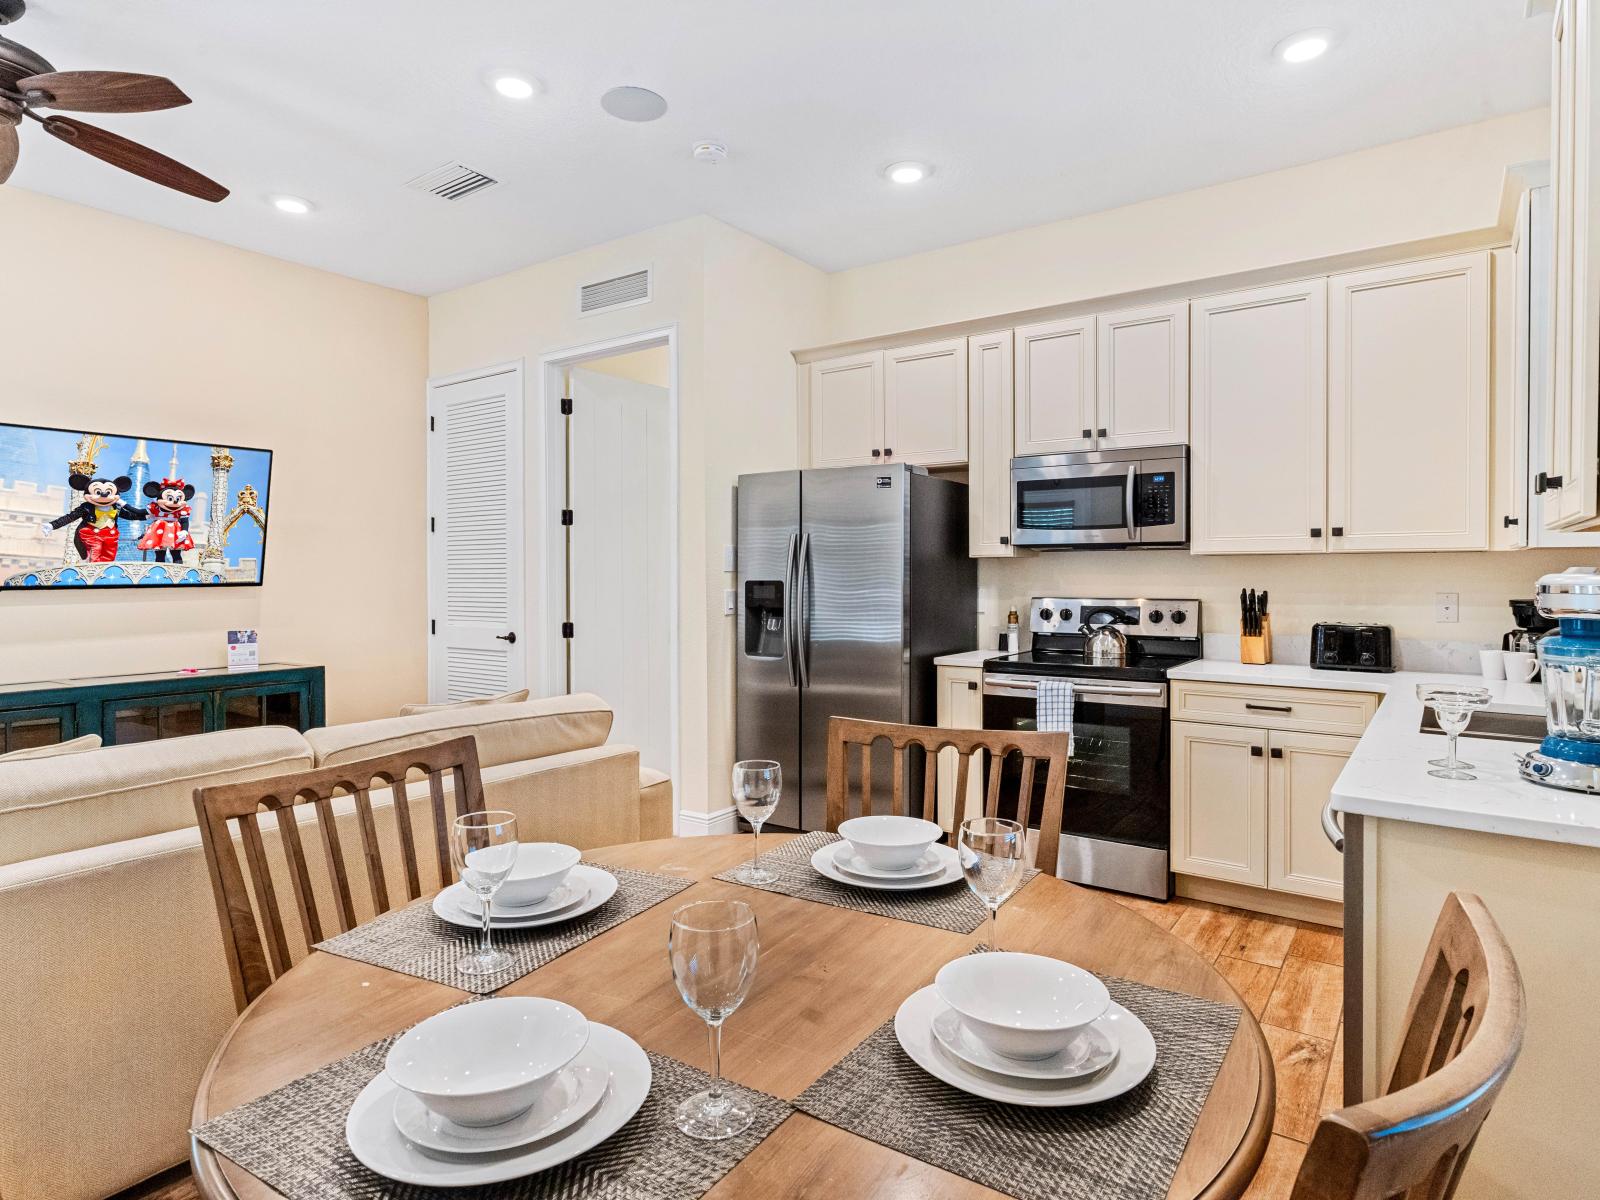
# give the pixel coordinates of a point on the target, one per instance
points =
(1024, 1006)
(484, 1063)
(890, 843)
(541, 868)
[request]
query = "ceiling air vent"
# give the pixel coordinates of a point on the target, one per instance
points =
(619, 292)
(452, 181)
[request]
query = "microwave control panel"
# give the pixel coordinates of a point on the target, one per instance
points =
(1155, 498)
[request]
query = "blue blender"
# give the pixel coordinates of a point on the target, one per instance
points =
(1569, 756)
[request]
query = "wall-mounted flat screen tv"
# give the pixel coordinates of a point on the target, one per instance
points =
(82, 508)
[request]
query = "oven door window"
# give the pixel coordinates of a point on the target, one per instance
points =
(1117, 778)
(1078, 503)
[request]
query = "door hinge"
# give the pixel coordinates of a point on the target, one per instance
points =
(566, 406)
(433, 627)
(566, 516)
(566, 629)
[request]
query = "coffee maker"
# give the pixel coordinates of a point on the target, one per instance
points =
(1569, 756)
(1531, 626)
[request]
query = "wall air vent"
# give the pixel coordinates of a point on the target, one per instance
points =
(452, 181)
(622, 291)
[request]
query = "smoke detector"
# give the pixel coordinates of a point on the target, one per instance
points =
(710, 152)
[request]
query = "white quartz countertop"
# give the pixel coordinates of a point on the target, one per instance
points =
(966, 658)
(1387, 776)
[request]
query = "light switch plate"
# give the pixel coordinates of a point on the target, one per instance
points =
(730, 600)
(1446, 607)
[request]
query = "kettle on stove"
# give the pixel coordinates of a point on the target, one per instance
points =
(1569, 756)
(1103, 643)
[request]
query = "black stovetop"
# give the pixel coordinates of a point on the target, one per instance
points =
(1148, 661)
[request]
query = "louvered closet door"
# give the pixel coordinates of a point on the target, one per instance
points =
(477, 643)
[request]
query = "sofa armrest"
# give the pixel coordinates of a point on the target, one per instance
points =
(584, 798)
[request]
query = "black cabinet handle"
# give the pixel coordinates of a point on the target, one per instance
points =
(1316, 531)
(887, 453)
(1255, 751)
(1269, 707)
(1277, 752)
(1510, 521)
(1102, 433)
(971, 687)
(1543, 483)
(1337, 531)
(877, 454)
(1004, 540)
(1088, 433)
(507, 637)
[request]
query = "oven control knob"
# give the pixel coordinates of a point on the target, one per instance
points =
(1155, 616)
(1179, 617)
(1046, 614)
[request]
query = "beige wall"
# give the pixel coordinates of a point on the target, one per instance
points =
(117, 325)
(652, 366)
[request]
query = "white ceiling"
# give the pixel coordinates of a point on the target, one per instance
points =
(1030, 110)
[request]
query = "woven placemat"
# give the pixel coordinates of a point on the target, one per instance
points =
(1126, 1148)
(951, 907)
(293, 1140)
(413, 941)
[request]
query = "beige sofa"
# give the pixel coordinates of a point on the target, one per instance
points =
(113, 986)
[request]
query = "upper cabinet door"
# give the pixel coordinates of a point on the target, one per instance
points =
(925, 403)
(1143, 392)
(847, 411)
(1259, 414)
(1055, 387)
(1408, 406)
(989, 436)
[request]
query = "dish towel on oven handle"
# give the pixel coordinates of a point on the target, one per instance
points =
(1053, 708)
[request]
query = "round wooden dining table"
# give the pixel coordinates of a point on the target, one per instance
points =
(827, 977)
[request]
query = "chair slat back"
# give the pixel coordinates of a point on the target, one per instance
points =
(254, 933)
(1463, 1033)
(985, 748)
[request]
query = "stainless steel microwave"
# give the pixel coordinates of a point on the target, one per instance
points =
(1101, 498)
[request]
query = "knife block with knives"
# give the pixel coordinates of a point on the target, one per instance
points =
(1255, 628)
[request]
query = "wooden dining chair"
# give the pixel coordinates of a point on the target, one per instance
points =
(254, 966)
(993, 745)
(1463, 1033)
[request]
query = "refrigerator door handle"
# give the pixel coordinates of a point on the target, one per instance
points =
(790, 644)
(803, 607)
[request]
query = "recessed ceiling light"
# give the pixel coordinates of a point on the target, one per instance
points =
(907, 172)
(513, 87)
(633, 104)
(292, 205)
(1303, 47)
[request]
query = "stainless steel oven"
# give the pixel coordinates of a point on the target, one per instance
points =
(1115, 821)
(1101, 498)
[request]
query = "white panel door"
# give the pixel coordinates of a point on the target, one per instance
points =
(1259, 415)
(989, 435)
(1302, 768)
(1142, 394)
(1219, 802)
(847, 411)
(621, 570)
(925, 403)
(1055, 387)
(477, 644)
(1408, 406)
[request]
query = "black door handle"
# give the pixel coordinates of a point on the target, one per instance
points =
(1102, 433)
(1277, 752)
(1316, 531)
(1543, 483)
(506, 637)
(877, 454)
(1510, 521)
(1255, 751)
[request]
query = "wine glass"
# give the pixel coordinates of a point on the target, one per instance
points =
(713, 947)
(757, 784)
(1453, 706)
(483, 849)
(993, 853)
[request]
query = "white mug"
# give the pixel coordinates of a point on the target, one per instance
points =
(1492, 665)
(1520, 666)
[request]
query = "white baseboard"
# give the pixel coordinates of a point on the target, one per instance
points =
(698, 824)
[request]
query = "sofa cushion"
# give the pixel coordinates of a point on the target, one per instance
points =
(655, 804)
(517, 697)
(505, 733)
(89, 741)
(74, 801)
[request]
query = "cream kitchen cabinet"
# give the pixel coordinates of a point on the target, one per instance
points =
(1301, 769)
(846, 399)
(958, 705)
(1055, 382)
(1142, 377)
(1258, 381)
(1408, 406)
(1219, 802)
(925, 403)
(989, 441)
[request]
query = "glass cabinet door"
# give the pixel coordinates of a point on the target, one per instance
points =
(286, 706)
(26, 728)
(148, 718)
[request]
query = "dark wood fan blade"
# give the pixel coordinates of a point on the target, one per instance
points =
(131, 156)
(8, 150)
(102, 91)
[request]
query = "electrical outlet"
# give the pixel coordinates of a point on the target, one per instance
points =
(728, 561)
(730, 600)
(1446, 607)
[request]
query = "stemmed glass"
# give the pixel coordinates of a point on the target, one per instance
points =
(757, 784)
(713, 947)
(483, 849)
(1453, 707)
(993, 853)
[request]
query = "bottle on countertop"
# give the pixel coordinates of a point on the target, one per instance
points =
(1013, 632)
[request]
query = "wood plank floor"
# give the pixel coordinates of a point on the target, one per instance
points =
(1290, 974)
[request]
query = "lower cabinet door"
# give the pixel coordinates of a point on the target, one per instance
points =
(960, 706)
(1302, 768)
(1219, 802)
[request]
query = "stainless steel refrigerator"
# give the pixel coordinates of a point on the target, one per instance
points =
(851, 580)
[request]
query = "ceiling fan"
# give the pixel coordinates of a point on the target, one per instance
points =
(28, 83)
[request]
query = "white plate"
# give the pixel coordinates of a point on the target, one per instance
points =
(575, 1092)
(563, 897)
(852, 863)
(602, 885)
(1092, 1050)
(949, 872)
(913, 1025)
(369, 1129)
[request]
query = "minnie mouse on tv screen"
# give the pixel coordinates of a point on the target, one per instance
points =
(86, 509)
